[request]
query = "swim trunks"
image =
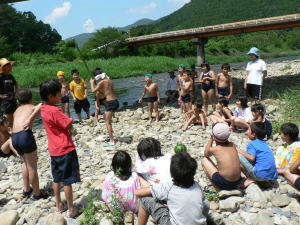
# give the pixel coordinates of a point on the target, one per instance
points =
(112, 105)
(24, 142)
(224, 184)
(81, 104)
(207, 86)
(225, 91)
(186, 98)
(152, 99)
(65, 99)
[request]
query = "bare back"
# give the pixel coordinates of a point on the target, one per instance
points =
(21, 115)
(228, 161)
(107, 87)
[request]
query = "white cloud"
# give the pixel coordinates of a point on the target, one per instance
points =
(144, 9)
(179, 3)
(58, 13)
(89, 26)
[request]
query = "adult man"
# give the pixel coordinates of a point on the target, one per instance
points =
(172, 91)
(112, 104)
(8, 87)
(256, 72)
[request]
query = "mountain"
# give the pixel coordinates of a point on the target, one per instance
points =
(81, 39)
(199, 13)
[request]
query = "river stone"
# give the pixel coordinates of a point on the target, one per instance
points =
(224, 193)
(33, 216)
(9, 217)
(2, 167)
(228, 205)
(105, 221)
(255, 193)
(281, 200)
(264, 218)
(249, 218)
(55, 218)
(214, 205)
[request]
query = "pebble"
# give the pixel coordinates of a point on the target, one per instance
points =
(55, 218)
(281, 200)
(9, 217)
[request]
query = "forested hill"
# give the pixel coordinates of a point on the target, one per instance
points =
(199, 13)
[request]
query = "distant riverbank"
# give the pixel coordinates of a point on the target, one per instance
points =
(122, 67)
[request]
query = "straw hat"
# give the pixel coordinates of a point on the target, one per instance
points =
(3, 62)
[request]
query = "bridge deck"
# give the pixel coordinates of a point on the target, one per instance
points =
(220, 30)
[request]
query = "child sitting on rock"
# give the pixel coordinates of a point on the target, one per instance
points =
(226, 174)
(287, 155)
(292, 174)
(64, 160)
(224, 114)
(258, 163)
(151, 164)
(195, 116)
(151, 89)
(120, 184)
(177, 202)
(258, 113)
(241, 115)
(24, 142)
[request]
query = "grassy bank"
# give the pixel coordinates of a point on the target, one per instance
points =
(121, 67)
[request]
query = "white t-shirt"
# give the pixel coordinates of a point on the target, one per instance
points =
(172, 85)
(154, 170)
(255, 71)
(245, 114)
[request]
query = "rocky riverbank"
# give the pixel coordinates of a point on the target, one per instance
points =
(278, 204)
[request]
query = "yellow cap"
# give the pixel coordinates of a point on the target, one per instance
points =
(60, 73)
(3, 62)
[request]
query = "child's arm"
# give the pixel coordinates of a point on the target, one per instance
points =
(247, 156)
(212, 78)
(202, 118)
(97, 88)
(157, 93)
(294, 168)
(231, 87)
(207, 152)
(143, 191)
(143, 94)
(28, 123)
(187, 86)
(216, 86)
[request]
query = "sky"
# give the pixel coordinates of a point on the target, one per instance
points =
(72, 17)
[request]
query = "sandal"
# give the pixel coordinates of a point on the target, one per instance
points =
(26, 194)
(108, 144)
(41, 196)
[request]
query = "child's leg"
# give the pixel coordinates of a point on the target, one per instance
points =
(67, 109)
(31, 167)
(108, 121)
(59, 204)
(239, 123)
(211, 97)
(208, 167)
(156, 111)
(248, 169)
(150, 105)
(69, 197)
(97, 110)
(216, 118)
(188, 122)
(205, 101)
(62, 106)
(291, 178)
(143, 216)
(25, 175)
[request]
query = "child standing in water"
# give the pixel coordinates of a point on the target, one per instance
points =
(224, 84)
(151, 89)
(65, 93)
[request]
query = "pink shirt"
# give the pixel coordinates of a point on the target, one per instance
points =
(56, 124)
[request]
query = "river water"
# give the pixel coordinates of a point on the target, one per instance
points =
(130, 89)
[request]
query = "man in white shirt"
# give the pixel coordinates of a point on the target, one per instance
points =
(256, 72)
(172, 91)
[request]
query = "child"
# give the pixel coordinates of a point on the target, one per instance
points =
(79, 93)
(64, 160)
(6, 148)
(225, 113)
(172, 91)
(227, 173)
(121, 182)
(100, 98)
(196, 116)
(185, 86)
(224, 84)
(241, 115)
(151, 164)
(258, 113)
(65, 93)
(184, 198)
(292, 174)
(287, 155)
(258, 163)
(153, 96)
(179, 80)
(207, 79)
(23, 141)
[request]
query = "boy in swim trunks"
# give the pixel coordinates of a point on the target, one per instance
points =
(100, 98)
(227, 173)
(23, 141)
(224, 84)
(78, 91)
(224, 113)
(185, 86)
(65, 93)
(112, 104)
(179, 78)
(151, 89)
(64, 160)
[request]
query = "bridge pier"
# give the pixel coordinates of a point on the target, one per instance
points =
(200, 43)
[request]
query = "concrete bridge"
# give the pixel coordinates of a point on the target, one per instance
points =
(200, 35)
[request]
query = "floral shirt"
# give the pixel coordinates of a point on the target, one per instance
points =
(287, 155)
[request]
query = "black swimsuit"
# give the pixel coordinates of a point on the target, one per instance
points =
(206, 87)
